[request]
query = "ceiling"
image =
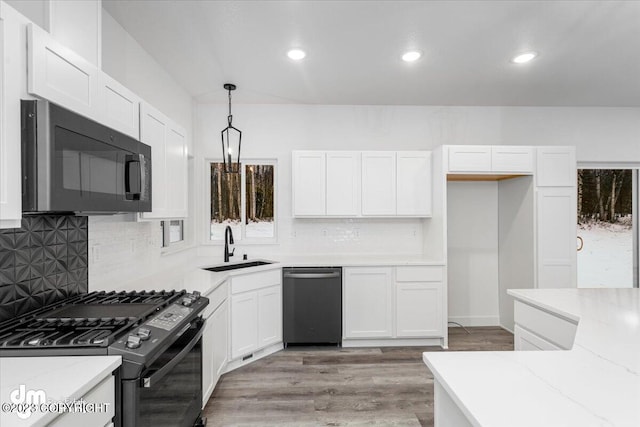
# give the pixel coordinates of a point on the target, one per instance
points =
(589, 51)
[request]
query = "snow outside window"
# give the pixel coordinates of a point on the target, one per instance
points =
(246, 202)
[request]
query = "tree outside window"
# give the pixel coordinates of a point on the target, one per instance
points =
(244, 201)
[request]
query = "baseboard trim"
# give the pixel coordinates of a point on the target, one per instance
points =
(393, 342)
(257, 355)
(476, 320)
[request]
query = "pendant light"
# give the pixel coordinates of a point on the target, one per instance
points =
(231, 139)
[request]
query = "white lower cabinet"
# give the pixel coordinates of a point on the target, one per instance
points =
(524, 340)
(215, 345)
(244, 324)
(256, 312)
(393, 302)
(269, 316)
(103, 393)
(418, 309)
(538, 329)
(368, 302)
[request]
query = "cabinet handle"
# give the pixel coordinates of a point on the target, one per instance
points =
(581, 243)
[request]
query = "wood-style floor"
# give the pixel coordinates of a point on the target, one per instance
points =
(339, 387)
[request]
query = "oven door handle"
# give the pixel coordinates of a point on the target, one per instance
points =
(148, 381)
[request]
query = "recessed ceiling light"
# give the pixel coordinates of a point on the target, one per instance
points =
(411, 56)
(296, 54)
(524, 57)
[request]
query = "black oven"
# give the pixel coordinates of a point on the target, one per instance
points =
(168, 391)
(73, 164)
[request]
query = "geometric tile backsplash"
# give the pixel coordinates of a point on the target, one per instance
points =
(42, 262)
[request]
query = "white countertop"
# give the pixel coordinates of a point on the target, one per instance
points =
(193, 277)
(596, 383)
(60, 378)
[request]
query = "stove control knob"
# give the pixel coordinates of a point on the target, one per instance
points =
(144, 333)
(186, 301)
(133, 342)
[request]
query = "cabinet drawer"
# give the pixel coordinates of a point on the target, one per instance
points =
(550, 327)
(216, 298)
(470, 158)
(102, 393)
(419, 274)
(250, 282)
(512, 159)
(528, 341)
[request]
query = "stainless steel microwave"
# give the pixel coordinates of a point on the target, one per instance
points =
(73, 164)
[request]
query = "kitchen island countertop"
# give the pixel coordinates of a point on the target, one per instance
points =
(596, 383)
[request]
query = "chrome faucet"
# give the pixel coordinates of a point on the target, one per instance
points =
(228, 239)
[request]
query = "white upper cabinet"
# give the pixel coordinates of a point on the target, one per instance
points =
(491, 158)
(470, 158)
(58, 74)
(378, 183)
(512, 158)
(556, 167)
(169, 164)
(347, 184)
(413, 185)
(119, 108)
(343, 183)
(309, 186)
(13, 88)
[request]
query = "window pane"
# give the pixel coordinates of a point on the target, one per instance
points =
(605, 227)
(260, 203)
(225, 202)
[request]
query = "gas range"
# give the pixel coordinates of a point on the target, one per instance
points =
(88, 324)
(157, 334)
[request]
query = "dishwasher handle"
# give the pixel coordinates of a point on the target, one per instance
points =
(311, 275)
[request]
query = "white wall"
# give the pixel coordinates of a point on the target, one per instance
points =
(472, 240)
(273, 131)
(126, 249)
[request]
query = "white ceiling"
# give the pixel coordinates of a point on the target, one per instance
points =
(589, 50)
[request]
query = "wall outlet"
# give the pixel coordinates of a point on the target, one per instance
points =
(95, 253)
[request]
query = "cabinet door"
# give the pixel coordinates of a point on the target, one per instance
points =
(244, 324)
(514, 159)
(78, 25)
(60, 75)
(269, 316)
(367, 306)
(556, 167)
(154, 131)
(556, 237)
(220, 329)
(413, 183)
(419, 309)
(378, 183)
(523, 340)
(119, 107)
(13, 83)
(343, 183)
(470, 158)
(208, 372)
(177, 173)
(309, 188)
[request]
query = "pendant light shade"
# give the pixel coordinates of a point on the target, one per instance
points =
(231, 140)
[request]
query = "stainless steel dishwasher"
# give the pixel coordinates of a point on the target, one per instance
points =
(312, 305)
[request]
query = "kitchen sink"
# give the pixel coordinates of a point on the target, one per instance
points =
(238, 266)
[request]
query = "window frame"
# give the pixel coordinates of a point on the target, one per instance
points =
(243, 202)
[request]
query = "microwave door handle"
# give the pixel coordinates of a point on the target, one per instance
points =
(129, 160)
(150, 380)
(142, 171)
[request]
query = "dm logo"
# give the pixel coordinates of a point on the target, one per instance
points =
(27, 400)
